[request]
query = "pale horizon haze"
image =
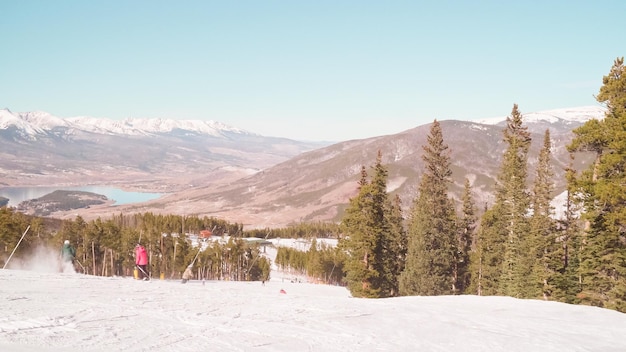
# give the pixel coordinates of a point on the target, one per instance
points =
(306, 70)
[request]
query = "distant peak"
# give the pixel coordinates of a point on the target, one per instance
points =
(575, 114)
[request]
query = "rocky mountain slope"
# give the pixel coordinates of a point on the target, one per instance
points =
(313, 185)
(317, 185)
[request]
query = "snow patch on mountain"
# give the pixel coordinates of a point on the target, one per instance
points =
(39, 123)
(43, 120)
(133, 126)
(24, 128)
(576, 115)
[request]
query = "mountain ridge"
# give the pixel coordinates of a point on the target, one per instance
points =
(569, 115)
(271, 182)
(39, 122)
(41, 149)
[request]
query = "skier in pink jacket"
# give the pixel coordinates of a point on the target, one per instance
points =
(141, 260)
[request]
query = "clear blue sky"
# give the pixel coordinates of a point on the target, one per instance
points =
(317, 70)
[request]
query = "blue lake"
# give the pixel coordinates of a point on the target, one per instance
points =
(17, 195)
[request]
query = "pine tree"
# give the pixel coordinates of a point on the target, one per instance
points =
(432, 245)
(370, 238)
(542, 237)
(467, 226)
(395, 251)
(602, 188)
(501, 238)
(565, 260)
(386, 251)
(487, 257)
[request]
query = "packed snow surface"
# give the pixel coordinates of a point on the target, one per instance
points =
(47, 311)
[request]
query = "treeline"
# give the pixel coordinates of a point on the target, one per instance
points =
(106, 247)
(321, 263)
(308, 230)
(516, 247)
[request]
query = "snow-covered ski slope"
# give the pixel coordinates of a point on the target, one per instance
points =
(44, 311)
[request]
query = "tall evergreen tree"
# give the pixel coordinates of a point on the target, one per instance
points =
(486, 258)
(542, 236)
(432, 234)
(601, 189)
(390, 237)
(395, 250)
(369, 238)
(504, 226)
(565, 260)
(467, 226)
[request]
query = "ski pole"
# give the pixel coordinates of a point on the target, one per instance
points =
(143, 271)
(18, 243)
(200, 245)
(196, 257)
(81, 265)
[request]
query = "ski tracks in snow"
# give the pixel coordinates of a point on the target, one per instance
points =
(61, 312)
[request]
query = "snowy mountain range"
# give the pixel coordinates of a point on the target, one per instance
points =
(207, 168)
(38, 123)
(566, 116)
(40, 149)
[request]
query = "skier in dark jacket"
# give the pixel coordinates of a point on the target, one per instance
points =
(68, 253)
